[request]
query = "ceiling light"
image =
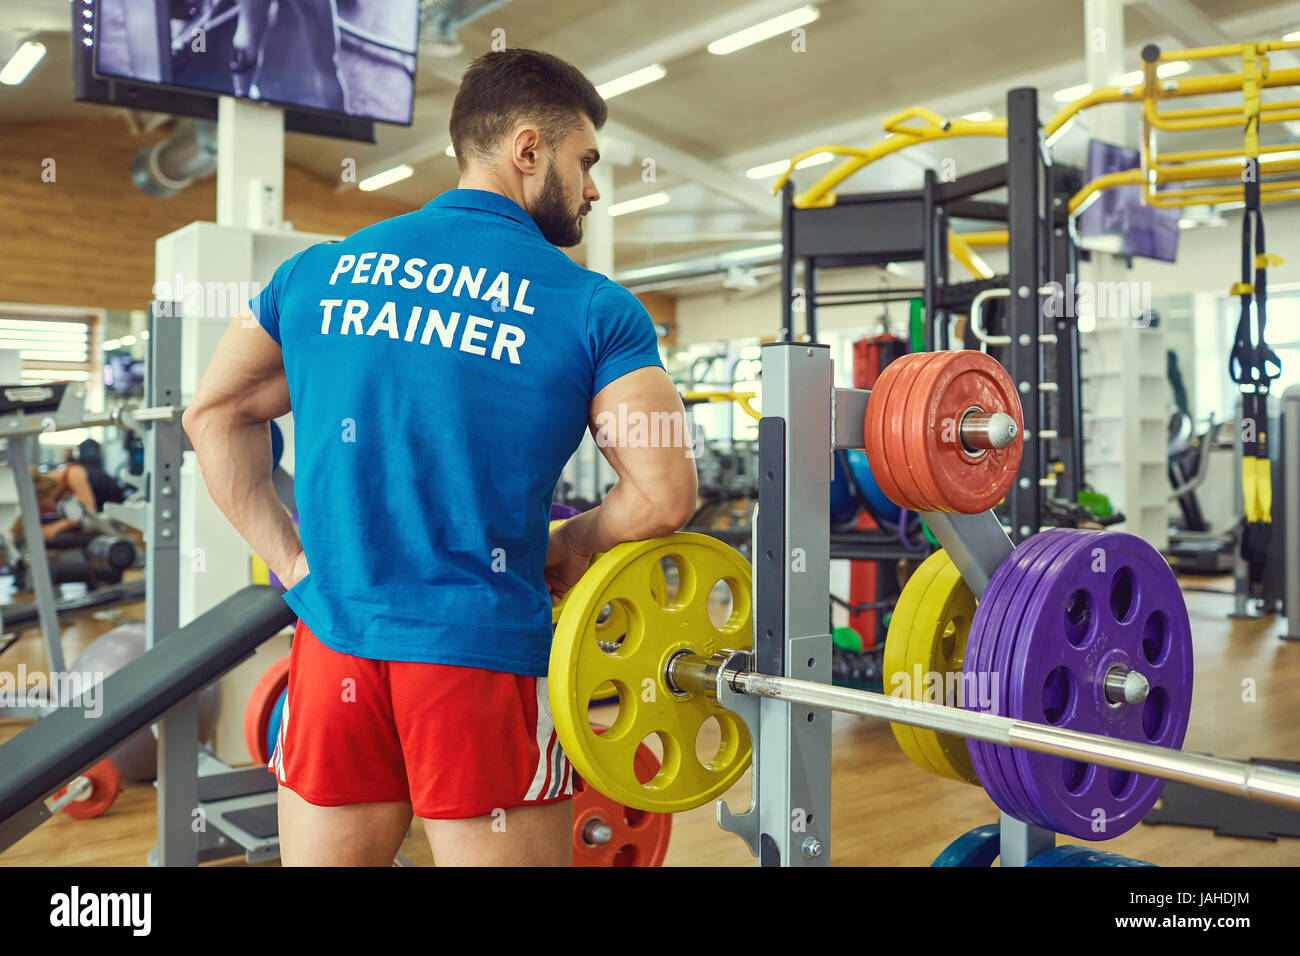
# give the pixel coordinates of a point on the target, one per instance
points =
(386, 178)
(1071, 93)
(636, 205)
(768, 170)
(979, 116)
(1292, 37)
(1164, 71)
(22, 63)
(816, 159)
(631, 81)
(450, 151)
(762, 31)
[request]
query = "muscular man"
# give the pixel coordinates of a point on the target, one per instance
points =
(442, 367)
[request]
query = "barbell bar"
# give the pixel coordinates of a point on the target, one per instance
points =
(688, 673)
(125, 417)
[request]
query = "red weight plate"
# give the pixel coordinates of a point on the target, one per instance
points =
(970, 483)
(105, 783)
(636, 838)
(874, 431)
(896, 417)
(261, 704)
(917, 424)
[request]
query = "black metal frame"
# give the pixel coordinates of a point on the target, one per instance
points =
(865, 229)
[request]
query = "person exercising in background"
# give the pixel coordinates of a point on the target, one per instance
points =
(65, 491)
(452, 357)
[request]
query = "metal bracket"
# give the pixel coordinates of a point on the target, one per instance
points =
(977, 544)
(745, 824)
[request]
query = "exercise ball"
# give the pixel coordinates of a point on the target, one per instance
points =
(137, 757)
(875, 499)
(844, 507)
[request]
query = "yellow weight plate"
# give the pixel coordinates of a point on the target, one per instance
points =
(935, 616)
(898, 673)
(948, 597)
(611, 626)
(656, 630)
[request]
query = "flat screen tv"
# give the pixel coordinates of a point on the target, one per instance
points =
(349, 58)
(1117, 221)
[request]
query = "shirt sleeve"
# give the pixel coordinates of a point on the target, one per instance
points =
(267, 303)
(621, 333)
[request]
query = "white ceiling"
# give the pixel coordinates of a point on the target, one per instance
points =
(712, 117)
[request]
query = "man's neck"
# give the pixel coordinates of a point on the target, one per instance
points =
(492, 184)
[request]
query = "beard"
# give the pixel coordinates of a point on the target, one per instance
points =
(558, 225)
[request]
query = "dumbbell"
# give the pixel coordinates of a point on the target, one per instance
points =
(90, 793)
(110, 552)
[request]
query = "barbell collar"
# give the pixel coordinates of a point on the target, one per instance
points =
(1124, 686)
(982, 430)
(597, 832)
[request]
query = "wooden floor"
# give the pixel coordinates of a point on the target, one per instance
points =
(885, 811)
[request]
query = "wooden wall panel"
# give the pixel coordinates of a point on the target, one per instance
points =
(663, 309)
(87, 237)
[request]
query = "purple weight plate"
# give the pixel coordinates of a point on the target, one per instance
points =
(991, 614)
(561, 512)
(1056, 541)
(983, 631)
(980, 645)
(1050, 544)
(997, 604)
(1136, 618)
(1061, 553)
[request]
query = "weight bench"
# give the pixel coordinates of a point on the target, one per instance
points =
(24, 614)
(60, 745)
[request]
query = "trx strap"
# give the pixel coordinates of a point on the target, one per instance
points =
(1252, 365)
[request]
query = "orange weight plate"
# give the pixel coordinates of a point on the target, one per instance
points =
(896, 415)
(261, 704)
(966, 482)
(917, 424)
(105, 785)
(608, 833)
(874, 430)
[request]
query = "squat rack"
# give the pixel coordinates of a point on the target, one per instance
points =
(781, 689)
(1041, 353)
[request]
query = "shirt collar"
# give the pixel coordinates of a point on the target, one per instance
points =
(484, 200)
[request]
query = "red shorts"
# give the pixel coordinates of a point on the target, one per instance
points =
(454, 742)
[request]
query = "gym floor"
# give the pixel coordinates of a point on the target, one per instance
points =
(885, 809)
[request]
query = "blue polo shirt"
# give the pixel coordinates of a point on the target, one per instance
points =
(440, 366)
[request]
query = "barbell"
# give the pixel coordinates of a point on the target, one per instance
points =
(674, 663)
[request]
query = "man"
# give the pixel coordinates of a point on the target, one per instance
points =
(441, 367)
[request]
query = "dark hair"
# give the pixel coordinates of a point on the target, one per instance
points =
(506, 87)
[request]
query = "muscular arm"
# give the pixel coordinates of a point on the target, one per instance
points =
(243, 388)
(656, 490)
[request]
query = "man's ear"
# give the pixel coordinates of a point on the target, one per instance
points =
(528, 143)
